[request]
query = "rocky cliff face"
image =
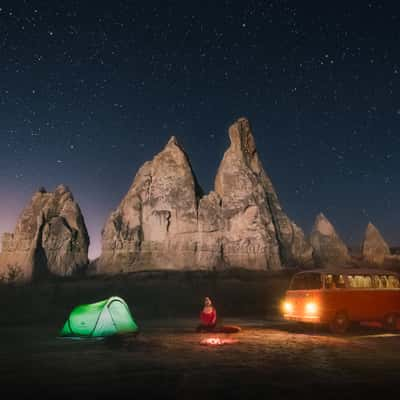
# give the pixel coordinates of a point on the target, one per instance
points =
(257, 233)
(164, 221)
(50, 237)
(374, 248)
(156, 223)
(328, 249)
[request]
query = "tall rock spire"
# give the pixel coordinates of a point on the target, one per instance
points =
(155, 224)
(257, 227)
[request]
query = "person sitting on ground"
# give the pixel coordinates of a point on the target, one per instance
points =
(208, 317)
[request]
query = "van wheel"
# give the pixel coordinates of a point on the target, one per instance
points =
(390, 322)
(340, 323)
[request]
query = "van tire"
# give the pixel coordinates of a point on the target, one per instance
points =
(340, 323)
(390, 322)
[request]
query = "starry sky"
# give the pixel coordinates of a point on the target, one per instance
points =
(91, 90)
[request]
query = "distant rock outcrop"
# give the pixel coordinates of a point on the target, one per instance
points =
(165, 222)
(50, 238)
(328, 249)
(374, 248)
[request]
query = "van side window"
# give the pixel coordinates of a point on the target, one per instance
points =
(329, 282)
(386, 282)
(334, 281)
(340, 282)
(393, 282)
(367, 281)
(360, 281)
(306, 281)
(377, 282)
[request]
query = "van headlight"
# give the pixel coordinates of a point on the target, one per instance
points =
(287, 307)
(311, 308)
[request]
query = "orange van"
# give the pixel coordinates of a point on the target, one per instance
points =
(339, 297)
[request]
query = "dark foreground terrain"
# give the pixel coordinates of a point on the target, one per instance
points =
(270, 358)
(166, 360)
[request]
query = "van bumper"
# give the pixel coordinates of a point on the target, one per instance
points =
(303, 318)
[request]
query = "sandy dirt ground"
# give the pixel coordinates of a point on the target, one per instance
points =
(167, 360)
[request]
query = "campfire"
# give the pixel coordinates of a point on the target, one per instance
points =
(215, 341)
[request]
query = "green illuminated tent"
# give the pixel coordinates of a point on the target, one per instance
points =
(104, 318)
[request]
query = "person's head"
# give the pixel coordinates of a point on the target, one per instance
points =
(207, 302)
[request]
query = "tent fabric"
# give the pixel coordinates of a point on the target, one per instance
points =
(103, 318)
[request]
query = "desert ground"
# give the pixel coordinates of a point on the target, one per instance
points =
(167, 359)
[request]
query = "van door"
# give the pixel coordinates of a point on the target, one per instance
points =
(362, 305)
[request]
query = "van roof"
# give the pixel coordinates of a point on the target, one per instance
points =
(351, 271)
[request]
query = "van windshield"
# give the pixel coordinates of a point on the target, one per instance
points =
(306, 281)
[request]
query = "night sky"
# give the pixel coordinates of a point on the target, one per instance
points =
(91, 90)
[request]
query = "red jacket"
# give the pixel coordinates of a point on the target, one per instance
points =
(210, 318)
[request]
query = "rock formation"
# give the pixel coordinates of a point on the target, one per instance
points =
(374, 248)
(257, 233)
(156, 223)
(164, 221)
(328, 249)
(50, 238)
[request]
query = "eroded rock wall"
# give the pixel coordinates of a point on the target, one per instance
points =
(50, 238)
(165, 222)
